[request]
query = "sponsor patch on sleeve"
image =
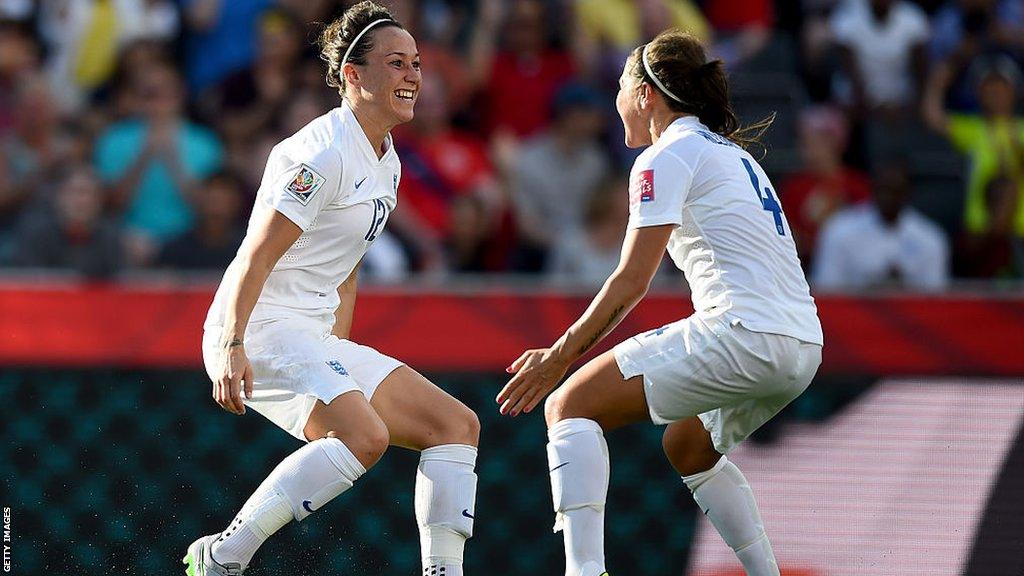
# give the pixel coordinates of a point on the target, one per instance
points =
(642, 189)
(305, 184)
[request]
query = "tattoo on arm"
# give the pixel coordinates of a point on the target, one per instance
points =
(600, 333)
(233, 342)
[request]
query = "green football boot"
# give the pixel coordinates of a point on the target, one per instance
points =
(199, 562)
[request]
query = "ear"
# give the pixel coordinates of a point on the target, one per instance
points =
(350, 73)
(644, 95)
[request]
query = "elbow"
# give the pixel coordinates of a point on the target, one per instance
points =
(253, 261)
(631, 285)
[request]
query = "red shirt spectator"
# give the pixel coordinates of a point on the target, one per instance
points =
(735, 15)
(823, 185)
(522, 89)
(525, 75)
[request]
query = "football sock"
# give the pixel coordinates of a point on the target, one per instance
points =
(578, 462)
(303, 482)
(725, 497)
(445, 504)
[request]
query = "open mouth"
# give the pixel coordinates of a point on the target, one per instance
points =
(403, 94)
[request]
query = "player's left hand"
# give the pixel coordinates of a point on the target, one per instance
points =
(537, 372)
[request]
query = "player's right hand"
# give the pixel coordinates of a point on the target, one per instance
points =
(235, 376)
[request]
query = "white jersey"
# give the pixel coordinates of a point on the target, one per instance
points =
(327, 179)
(732, 240)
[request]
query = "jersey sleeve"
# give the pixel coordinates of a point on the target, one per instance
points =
(300, 185)
(658, 186)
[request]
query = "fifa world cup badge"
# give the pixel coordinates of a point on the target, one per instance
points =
(305, 184)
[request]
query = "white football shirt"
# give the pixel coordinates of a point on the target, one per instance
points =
(732, 241)
(327, 179)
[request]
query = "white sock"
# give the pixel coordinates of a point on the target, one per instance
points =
(445, 504)
(724, 495)
(578, 462)
(304, 481)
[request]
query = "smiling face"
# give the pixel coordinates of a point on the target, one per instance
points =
(629, 104)
(390, 80)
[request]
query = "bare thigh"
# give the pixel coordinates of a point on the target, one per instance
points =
(598, 391)
(351, 419)
(420, 415)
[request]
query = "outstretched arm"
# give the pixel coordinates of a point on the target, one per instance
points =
(539, 371)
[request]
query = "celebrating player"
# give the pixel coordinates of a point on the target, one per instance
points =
(752, 345)
(279, 325)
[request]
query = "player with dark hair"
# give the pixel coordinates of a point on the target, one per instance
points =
(277, 335)
(752, 345)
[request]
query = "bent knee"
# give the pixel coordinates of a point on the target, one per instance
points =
(368, 446)
(470, 427)
(552, 409)
(459, 427)
(689, 454)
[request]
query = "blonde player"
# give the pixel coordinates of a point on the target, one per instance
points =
(752, 345)
(276, 337)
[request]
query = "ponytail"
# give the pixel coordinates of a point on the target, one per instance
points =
(676, 65)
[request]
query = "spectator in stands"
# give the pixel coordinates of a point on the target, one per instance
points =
(884, 243)
(993, 140)
(36, 146)
(249, 99)
(19, 57)
(153, 163)
(441, 163)
(743, 28)
(83, 40)
(607, 30)
(123, 91)
(212, 242)
(72, 233)
(469, 242)
(220, 38)
(547, 196)
(882, 46)
(823, 184)
(963, 29)
(522, 78)
(589, 255)
(995, 251)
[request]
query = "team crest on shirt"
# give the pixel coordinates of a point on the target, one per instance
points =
(305, 184)
(642, 189)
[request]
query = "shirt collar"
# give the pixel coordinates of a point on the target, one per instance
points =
(348, 118)
(686, 123)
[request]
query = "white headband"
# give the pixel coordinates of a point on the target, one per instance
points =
(359, 37)
(657, 82)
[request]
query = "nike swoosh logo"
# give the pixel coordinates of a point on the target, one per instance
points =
(467, 514)
(305, 504)
(559, 466)
(360, 183)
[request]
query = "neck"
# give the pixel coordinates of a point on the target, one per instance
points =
(375, 128)
(661, 119)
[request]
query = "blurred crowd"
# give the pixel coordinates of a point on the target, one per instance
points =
(134, 132)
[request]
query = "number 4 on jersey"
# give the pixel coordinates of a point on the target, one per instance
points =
(768, 201)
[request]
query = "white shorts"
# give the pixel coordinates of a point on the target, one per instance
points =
(296, 362)
(734, 379)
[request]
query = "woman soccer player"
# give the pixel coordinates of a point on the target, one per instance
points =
(279, 325)
(751, 347)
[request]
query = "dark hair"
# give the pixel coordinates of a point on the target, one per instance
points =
(338, 35)
(679, 62)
